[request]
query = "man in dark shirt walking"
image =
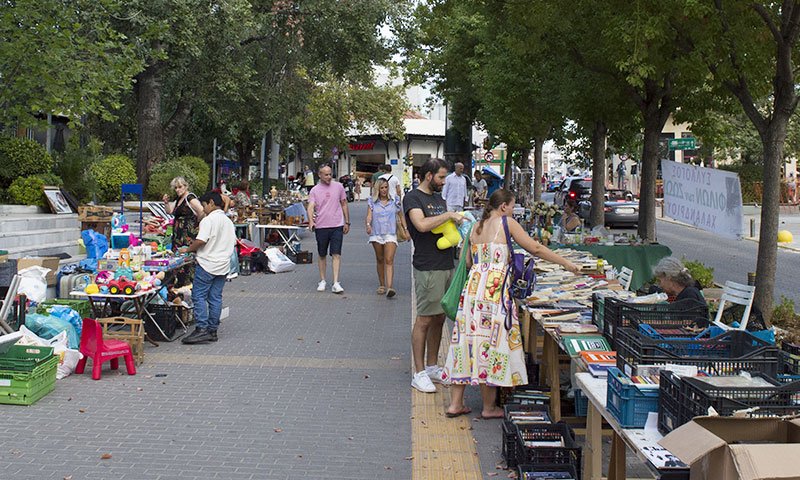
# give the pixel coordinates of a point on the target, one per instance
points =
(425, 209)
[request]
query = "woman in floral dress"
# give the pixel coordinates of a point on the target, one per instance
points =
(188, 212)
(482, 352)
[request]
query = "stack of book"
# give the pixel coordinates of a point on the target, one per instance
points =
(598, 362)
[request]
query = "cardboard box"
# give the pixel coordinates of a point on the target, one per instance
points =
(727, 448)
(46, 262)
(95, 213)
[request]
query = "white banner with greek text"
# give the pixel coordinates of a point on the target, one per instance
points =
(703, 197)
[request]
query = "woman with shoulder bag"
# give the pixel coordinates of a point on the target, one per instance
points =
(483, 349)
(188, 212)
(384, 218)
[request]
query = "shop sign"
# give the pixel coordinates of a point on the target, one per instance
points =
(362, 146)
(706, 198)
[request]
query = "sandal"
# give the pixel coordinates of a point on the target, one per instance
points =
(390, 293)
(381, 290)
(464, 411)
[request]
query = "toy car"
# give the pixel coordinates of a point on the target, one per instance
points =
(121, 285)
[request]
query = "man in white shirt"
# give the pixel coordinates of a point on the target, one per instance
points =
(455, 189)
(394, 182)
(214, 244)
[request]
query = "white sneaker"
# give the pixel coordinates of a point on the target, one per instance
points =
(434, 373)
(321, 286)
(423, 383)
(232, 275)
(336, 288)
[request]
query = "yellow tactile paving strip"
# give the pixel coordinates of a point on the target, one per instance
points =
(442, 448)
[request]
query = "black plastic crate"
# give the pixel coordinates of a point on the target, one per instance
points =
(670, 402)
(617, 314)
(790, 363)
(682, 399)
(568, 454)
(790, 348)
(166, 316)
(510, 444)
(776, 400)
(727, 354)
(525, 394)
(552, 469)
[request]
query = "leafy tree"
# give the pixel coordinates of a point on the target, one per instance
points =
(61, 56)
(750, 71)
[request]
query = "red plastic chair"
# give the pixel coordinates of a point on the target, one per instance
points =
(93, 346)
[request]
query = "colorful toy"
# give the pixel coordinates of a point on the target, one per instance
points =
(121, 272)
(124, 258)
(91, 289)
(104, 289)
(103, 277)
(121, 285)
(450, 236)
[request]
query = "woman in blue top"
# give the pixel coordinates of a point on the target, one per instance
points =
(382, 219)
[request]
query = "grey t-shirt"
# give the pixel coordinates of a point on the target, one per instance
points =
(426, 255)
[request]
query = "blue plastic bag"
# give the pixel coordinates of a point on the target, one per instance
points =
(48, 326)
(96, 243)
(67, 313)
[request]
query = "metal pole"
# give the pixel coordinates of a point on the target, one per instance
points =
(752, 228)
(263, 163)
(214, 166)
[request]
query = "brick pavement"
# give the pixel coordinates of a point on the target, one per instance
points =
(301, 385)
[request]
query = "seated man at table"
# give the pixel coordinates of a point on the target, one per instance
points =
(214, 243)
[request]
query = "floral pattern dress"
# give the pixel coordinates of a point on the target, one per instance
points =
(481, 349)
(183, 232)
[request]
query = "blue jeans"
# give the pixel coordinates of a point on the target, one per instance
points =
(207, 298)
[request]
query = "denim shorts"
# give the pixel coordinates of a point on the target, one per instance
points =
(329, 240)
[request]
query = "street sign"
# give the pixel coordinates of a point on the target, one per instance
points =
(488, 156)
(682, 144)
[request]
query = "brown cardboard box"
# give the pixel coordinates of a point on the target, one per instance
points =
(727, 448)
(46, 262)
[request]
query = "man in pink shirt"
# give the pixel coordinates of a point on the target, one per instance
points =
(329, 219)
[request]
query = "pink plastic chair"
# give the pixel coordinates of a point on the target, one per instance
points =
(93, 346)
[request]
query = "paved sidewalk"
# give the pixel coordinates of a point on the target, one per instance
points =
(300, 385)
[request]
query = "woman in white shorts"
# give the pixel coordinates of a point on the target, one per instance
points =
(383, 217)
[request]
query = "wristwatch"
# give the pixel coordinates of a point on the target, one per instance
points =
(347, 223)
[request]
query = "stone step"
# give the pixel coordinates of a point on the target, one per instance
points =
(29, 238)
(22, 210)
(47, 249)
(18, 223)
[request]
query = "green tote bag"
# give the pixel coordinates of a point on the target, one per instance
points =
(453, 294)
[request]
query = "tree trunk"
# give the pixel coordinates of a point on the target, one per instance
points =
(509, 169)
(538, 168)
(647, 191)
(243, 148)
(151, 148)
(773, 140)
(597, 214)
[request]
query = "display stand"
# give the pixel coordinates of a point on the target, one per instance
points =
(133, 189)
(642, 441)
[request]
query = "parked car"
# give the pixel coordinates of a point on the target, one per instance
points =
(576, 188)
(620, 208)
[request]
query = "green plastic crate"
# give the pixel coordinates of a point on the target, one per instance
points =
(24, 358)
(21, 388)
(83, 307)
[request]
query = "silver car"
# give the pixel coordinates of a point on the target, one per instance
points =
(620, 208)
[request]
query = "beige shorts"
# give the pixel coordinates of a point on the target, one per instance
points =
(429, 288)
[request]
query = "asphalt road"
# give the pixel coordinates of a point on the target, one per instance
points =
(730, 259)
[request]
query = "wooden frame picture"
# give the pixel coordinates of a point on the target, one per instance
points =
(57, 200)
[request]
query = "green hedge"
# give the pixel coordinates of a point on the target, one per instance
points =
(21, 157)
(201, 170)
(27, 191)
(109, 174)
(162, 174)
